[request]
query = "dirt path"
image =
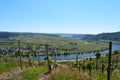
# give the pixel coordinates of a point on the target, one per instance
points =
(43, 76)
(13, 73)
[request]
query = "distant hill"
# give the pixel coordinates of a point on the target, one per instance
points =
(88, 37)
(16, 34)
(115, 36)
(8, 34)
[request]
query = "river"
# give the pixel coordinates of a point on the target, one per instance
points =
(73, 56)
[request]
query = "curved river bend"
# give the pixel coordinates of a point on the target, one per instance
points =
(73, 56)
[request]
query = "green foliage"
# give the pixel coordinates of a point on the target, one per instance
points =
(89, 65)
(116, 52)
(7, 66)
(98, 76)
(98, 55)
(33, 73)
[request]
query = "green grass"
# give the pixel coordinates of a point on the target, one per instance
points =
(7, 66)
(33, 73)
(97, 75)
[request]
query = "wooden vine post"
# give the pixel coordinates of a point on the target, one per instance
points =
(48, 60)
(19, 54)
(38, 58)
(116, 60)
(109, 60)
(76, 61)
(90, 67)
(83, 66)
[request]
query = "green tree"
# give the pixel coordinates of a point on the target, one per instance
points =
(116, 52)
(98, 55)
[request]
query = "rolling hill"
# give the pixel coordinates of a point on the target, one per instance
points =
(16, 34)
(115, 36)
(71, 45)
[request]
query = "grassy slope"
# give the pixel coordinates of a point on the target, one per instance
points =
(67, 73)
(7, 66)
(33, 73)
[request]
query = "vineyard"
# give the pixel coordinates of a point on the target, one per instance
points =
(59, 39)
(17, 60)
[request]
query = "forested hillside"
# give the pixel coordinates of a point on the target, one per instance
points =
(104, 36)
(8, 34)
(16, 34)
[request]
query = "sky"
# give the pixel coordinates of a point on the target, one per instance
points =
(60, 16)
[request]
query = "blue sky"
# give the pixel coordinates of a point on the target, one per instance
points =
(60, 16)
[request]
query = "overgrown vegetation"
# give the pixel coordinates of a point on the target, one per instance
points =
(33, 73)
(98, 70)
(6, 66)
(67, 73)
